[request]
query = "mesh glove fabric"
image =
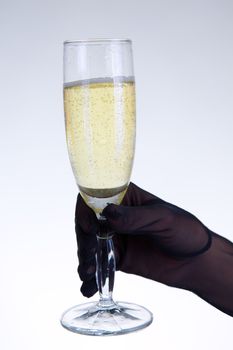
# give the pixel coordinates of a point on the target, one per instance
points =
(160, 241)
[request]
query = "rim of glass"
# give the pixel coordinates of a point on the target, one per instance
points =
(97, 41)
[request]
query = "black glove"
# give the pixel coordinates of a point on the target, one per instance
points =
(160, 241)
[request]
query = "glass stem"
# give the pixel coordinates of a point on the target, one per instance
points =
(105, 265)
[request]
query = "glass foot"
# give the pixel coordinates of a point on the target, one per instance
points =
(95, 319)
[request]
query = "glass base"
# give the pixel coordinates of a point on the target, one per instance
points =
(94, 319)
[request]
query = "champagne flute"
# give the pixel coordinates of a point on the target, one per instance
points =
(99, 103)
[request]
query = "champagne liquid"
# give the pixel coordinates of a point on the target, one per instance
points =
(100, 131)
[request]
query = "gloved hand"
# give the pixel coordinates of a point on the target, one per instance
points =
(160, 241)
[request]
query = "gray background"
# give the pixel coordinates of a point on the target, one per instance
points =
(184, 74)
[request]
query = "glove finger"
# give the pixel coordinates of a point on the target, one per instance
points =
(136, 196)
(120, 246)
(138, 220)
(86, 228)
(85, 216)
(87, 269)
(89, 288)
(87, 244)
